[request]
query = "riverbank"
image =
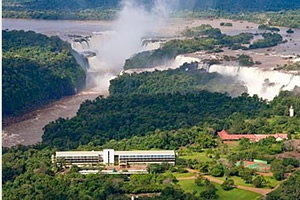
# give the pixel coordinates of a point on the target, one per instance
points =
(28, 129)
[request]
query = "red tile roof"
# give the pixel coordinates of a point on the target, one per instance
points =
(252, 137)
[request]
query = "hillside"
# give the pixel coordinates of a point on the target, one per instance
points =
(36, 70)
(185, 79)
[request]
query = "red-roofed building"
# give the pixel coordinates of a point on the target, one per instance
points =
(252, 137)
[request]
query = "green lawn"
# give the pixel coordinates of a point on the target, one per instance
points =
(273, 182)
(180, 175)
(190, 186)
(239, 181)
(201, 156)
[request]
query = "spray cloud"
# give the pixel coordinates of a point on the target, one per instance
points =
(134, 22)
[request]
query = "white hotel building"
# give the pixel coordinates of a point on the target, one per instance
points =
(112, 157)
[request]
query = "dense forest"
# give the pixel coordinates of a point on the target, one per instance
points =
(287, 190)
(118, 117)
(36, 70)
(200, 38)
(185, 79)
(127, 115)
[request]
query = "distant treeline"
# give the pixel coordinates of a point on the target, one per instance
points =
(36, 70)
(107, 9)
(229, 5)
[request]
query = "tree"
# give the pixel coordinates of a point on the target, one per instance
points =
(278, 169)
(210, 191)
(228, 184)
(258, 181)
(199, 181)
(278, 175)
(217, 171)
(289, 189)
(246, 175)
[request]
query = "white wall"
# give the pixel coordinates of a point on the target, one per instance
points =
(108, 156)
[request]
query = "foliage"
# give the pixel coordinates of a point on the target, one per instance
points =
(290, 67)
(205, 38)
(210, 191)
(118, 117)
(245, 60)
(217, 170)
(199, 181)
(259, 181)
(202, 30)
(185, 79)
(289, 189)
(167, 139)
(246, 174)
(29, 174)
(225, 24)
(36, 69)
(268, 28)
(106, 9)
(269, 40)
(158, 168)
(228, 184)
(281, 166)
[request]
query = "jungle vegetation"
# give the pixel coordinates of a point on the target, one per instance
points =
(187, 78)
(278, 12)
(201, 38)
(36, 70)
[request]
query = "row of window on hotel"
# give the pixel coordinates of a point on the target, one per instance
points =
(122, 156)
(147, 156)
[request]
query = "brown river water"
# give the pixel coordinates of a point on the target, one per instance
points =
(29, 129)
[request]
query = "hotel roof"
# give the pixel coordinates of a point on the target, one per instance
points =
(253, 137)
(78, 153)
(168, 152)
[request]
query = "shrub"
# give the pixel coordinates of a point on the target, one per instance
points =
(217, 171)
(278, 175)
(228, 184)
(199, 181)
(258, 181)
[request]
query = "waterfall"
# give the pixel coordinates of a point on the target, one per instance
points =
(266, 83)
(101, 69)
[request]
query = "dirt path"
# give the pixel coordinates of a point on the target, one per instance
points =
(262, 191)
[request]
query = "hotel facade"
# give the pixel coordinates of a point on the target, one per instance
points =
(112, 157)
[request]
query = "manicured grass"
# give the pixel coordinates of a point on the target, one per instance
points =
(239, 181)
(180, 175)
(201, 156)
(190, 186)
(273, 182)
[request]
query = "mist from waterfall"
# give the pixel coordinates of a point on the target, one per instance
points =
(112, 48)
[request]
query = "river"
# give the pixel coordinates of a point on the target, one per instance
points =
(29, 129)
